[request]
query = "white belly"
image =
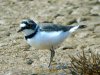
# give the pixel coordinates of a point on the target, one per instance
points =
(47, 40)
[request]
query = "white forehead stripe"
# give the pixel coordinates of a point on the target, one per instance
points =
(22, 25)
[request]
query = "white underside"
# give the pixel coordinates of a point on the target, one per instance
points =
(47, 40)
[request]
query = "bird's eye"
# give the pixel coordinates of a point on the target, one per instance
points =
(30, 26)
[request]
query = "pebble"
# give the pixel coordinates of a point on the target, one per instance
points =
(58, 15)
(29, 61)
(97, 29)
(95, 11)
(71, 21)
(80, 11)
(8, 33)
(61, 66)
(70, 47)
(34, 74)
(82, 35)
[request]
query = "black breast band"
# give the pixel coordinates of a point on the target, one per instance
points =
(33, 34)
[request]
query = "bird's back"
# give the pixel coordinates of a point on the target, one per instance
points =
(54, 27)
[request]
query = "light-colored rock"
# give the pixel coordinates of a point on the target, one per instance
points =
(82, 34)
(80, 11)
(97, 29)
(95, 10)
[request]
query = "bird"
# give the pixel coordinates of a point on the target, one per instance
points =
(46, 35)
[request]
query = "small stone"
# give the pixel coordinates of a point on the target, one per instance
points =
(64, 66)
(81, 11)
(95, 11)
(98, 0)
(34, 74)
(29, 61)
(82, 34)
(49, 1)
(72, 21)
(84, 19)
(47, 22)
(94, 14)
(64, 48)
(61, 66)
(58, 67)
(97, 29)
(31, 0)
(58, 15)
(8, 34)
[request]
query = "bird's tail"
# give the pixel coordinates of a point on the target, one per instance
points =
(79, 26)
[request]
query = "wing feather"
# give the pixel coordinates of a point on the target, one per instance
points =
(54, 27)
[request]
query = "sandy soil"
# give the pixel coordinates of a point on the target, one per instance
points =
(17, 58)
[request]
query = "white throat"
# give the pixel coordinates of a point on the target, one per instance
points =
(28, 32)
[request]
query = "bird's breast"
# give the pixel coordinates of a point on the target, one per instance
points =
(46, 40)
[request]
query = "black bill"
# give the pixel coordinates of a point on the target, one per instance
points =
(21, 29)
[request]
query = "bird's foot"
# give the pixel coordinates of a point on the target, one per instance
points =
(52, 65)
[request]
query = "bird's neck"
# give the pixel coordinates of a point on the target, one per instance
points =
(29, 33)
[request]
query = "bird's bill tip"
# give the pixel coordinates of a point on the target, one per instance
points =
(19, 30)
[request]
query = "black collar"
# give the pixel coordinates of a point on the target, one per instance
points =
(33, 34)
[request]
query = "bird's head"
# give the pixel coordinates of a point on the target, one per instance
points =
(27, 26)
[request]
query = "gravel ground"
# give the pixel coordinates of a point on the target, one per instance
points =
(17, 58)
